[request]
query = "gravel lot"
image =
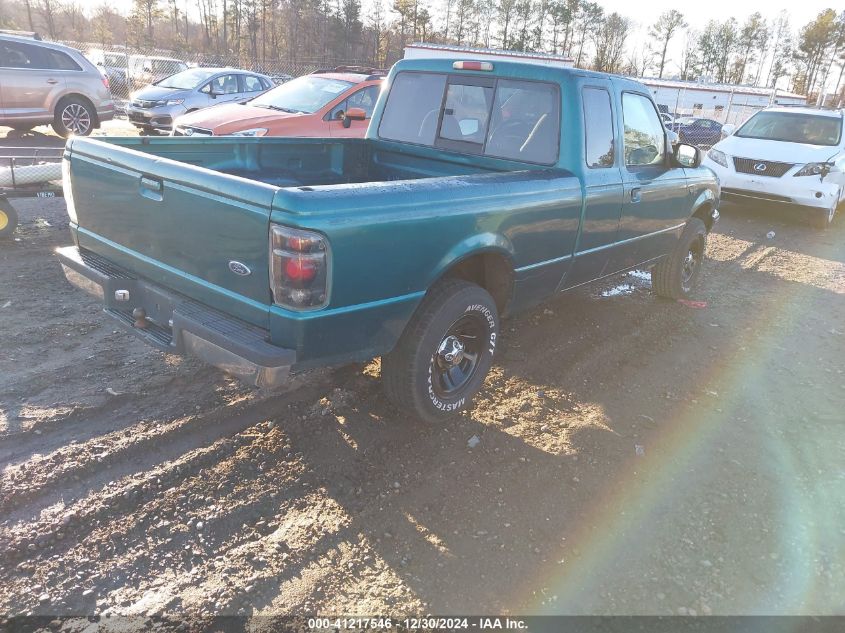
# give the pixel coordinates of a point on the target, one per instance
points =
(635, 456)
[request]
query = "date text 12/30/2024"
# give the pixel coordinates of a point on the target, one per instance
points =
(428, 623)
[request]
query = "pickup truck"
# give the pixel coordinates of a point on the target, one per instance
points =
(480, 189)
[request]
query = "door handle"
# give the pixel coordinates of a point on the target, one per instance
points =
(635, 194)
(52, 81)
(151, 188)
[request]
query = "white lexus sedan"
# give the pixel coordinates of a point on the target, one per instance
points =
(782, 156)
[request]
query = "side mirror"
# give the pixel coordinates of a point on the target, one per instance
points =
(728, 129)
(672, 137)
(353, 114)
(687, 155)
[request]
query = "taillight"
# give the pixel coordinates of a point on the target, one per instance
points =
(106, 82)
(299, 268)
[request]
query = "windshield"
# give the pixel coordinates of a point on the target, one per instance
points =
(187, 79)
(793, 127)
(304, 94)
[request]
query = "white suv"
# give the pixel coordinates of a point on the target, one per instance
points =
(786, 157)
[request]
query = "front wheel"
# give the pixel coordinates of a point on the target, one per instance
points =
(8, 219)
(445, 352)
(676, 274)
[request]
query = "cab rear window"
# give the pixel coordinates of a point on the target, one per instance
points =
(502, 118)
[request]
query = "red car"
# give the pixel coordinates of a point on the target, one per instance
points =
(314, 105)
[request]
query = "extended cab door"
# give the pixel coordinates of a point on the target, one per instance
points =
(655, 205)
(603, 185)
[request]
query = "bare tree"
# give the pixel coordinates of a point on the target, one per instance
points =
(610, 43)
(667, 25)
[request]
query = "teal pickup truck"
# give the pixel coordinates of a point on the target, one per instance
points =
(480, 189)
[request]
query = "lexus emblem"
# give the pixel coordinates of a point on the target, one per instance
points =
(759, 166)
(239, 269)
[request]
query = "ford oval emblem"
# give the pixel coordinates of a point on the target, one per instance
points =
(759, 166)
(239, 269)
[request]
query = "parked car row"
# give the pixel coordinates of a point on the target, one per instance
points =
(335, 103)
(155, 107)
(48, 83)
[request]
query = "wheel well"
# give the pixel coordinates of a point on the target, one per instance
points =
(705, 214)
(86, 100)
(491, 271)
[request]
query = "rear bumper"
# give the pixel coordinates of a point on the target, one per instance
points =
(179, 325)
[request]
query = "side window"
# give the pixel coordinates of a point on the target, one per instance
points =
(364, 99)
(598, 127)
(17, 55)
(252, 83)
(525, 124)
(413, 106)
(465, 113)
(224, 85)
(61, 61)
(644, 139)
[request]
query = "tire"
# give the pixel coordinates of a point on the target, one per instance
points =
(445, 352)
(822, 218)
(8, 219)
(676, 275)
(74, 116)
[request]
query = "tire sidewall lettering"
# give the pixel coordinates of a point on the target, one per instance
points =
(490, 317)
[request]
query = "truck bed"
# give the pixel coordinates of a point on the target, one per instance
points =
(298, 162)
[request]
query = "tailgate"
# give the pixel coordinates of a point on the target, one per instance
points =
(178, 225)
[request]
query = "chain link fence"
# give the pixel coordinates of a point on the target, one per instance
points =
(703, 126)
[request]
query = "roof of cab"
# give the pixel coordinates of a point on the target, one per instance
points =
(525, 70)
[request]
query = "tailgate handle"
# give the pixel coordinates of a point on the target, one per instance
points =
(151, 188)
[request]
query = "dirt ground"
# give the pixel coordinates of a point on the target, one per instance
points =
(635, 456)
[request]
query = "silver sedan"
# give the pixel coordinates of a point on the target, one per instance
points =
(155, 107)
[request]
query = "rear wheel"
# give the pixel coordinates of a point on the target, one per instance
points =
(74, 117)
(676, 274)
(445, 352)
(8, 219)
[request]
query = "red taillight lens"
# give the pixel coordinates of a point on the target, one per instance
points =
(299, 268)
(106, 83)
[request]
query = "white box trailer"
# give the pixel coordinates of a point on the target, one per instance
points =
(421, 50)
